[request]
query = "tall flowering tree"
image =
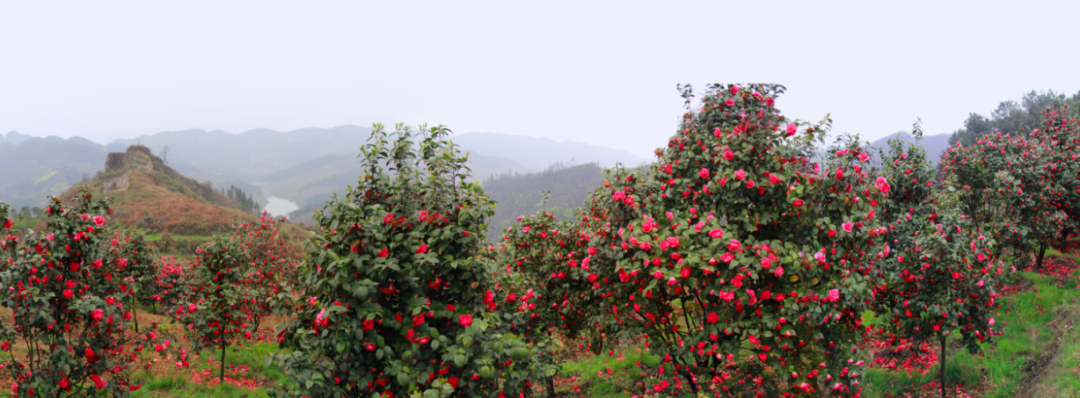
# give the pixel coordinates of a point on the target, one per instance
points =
(942, 279)
(1010, 187)
(400, 299)
(733, 242)
(68, 309)
(219, 308)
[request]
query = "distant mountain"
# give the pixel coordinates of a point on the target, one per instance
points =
(150, 195)
(311, 183)
(521, 194)
(253, 154)
(33, 167)
(935, 145)
(539, 153)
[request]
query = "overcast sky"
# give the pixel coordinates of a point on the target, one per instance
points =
(600, 73)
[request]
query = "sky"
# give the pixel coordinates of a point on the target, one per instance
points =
(602, 73)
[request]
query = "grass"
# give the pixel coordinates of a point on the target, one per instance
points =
(1040, 334)
(182, 386)
(624, 372)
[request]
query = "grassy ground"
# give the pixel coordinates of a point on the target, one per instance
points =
(1038, 356)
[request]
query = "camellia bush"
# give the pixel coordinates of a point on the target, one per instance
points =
(1019, 187)
(134, 259)
(68, 311)
(742, 262)
(399, 299)
(942, 279)
(219, 307)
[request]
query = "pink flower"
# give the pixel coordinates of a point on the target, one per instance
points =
(766, 263)
(791, 129)
(773, 179)
(847, 226)
(833, 296)
(704, 173)
(734, 90)
(97, 314)
(658, 274)
(863, 157)
(728, 154)
(991, 321)
(465, 320)
(730, 102)
(740, 174)
(779, 271)
(99, 220)
(716, 233)
(727, 257)
(820, 257)
(750, 183)
(734, 245)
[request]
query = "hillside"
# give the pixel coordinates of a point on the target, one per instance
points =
(521, 194)
(935, 144)
(33, 167)
(150, 195)
(539, 153)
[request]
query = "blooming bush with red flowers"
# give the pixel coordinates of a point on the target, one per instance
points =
(1020, 188)
(740, 260)
(273, 267)
(398, 299)
(941, 279)
(219, 306)
(68, 309)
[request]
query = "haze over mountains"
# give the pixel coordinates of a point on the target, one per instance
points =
(297, 165)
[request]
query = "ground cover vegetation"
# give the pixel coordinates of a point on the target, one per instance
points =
(742, 262)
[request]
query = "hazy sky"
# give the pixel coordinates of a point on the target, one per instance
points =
(600, 73)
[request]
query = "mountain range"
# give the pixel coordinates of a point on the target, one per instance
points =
(303, 166)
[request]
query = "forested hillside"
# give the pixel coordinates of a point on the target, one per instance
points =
(521, 194)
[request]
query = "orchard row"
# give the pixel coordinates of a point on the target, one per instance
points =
(740, 256)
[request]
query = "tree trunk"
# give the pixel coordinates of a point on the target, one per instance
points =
(551, 387)
(942, 361)
(1039, 256)
(134, 313)
(222, 379)
(689, 379)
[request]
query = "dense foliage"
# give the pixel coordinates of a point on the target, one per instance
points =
(397, 300)
(67, 298)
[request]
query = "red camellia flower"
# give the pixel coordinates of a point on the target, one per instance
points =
(465, 320)
(791, 129)
(704, 173)
(713, 318)
(797, 203)
(99, 220)
(728, 154)
(8, 224)
(422, 249)
(740, 174)
(385, 252)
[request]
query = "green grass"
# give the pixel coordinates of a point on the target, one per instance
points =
(625, 372)
(252, 355)
(1032, 321)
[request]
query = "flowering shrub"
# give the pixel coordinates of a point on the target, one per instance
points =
(68, 309)
(399, 301)
(1020, 188)
(169, 280)
(942, 279)
(732, 243)
(273, 268)
(134, 260)
(218, 307)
